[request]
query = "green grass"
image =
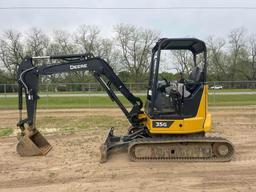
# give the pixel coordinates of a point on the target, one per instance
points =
(232, 90)
(66, 102)
(104, 101)
(232, 100)
(6, 132)
(78, 123)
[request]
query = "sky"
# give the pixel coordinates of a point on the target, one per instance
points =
(170, 23)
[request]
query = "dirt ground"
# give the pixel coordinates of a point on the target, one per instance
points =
(73, 164)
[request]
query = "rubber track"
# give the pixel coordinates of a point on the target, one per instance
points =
(212, 140)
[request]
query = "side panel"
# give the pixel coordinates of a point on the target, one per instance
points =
(208, 120)
(200, 123)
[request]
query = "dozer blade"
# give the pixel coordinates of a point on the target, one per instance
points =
(33, 144)
(110, 143)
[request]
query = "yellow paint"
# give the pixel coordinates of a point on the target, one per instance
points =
(200, 123)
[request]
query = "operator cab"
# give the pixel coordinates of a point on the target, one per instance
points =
(179, 98)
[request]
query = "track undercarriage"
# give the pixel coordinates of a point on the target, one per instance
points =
(142, 146)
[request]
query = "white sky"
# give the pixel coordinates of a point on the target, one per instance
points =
(171, 23)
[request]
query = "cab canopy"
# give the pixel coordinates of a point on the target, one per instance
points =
(196, 46)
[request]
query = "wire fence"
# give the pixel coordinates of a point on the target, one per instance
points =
(62, 95)
(137, 87)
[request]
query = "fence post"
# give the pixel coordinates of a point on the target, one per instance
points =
(5, 90)
(214, 101)
(47, 96)
(89, 102)
(89, 99)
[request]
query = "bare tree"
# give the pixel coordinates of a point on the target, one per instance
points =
(217, 57)
(11, 51)
(183, 61)
(61, 43)
(252, 55)
(108, 51)
(135, 45)
(36, 42)
(128, 51)
(105, 49)
(238, 53)
(88, 39)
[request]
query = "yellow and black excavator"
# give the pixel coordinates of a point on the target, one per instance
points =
(172, 126)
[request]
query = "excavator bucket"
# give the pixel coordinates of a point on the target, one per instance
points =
(33, 144)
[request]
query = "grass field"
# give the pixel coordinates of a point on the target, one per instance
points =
(104, 101)
(232, 90)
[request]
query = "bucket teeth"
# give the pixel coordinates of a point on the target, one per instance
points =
(32, 144)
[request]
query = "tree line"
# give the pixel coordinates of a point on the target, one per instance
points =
(128, 51)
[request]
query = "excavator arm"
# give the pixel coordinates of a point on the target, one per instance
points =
(28, 80)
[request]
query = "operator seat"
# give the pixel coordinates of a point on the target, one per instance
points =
(194, 79)
(196, 74)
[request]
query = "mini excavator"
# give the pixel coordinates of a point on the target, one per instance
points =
(172, 126)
